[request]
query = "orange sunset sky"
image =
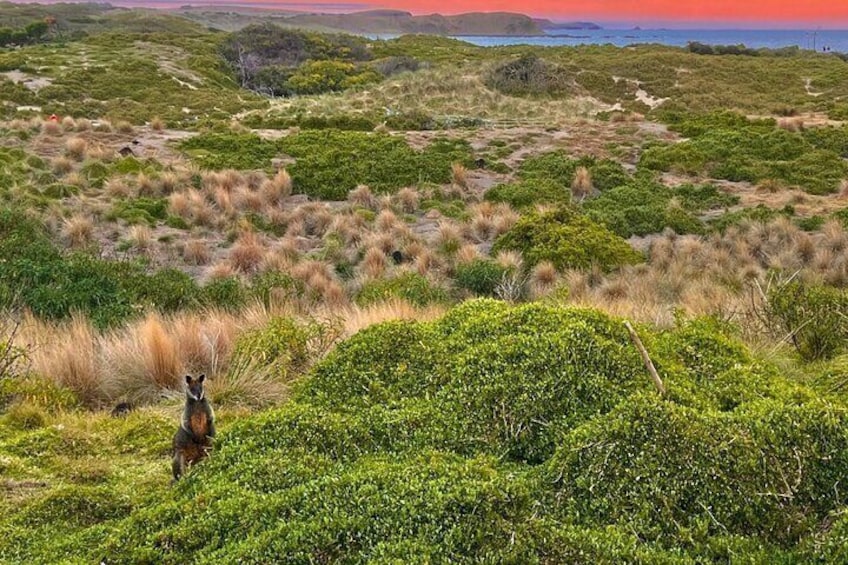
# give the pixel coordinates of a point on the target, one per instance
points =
(828, 13)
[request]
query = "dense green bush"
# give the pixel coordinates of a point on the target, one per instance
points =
(481, 276)
(529, 75)
(643, 207)
(815, 317)
(546, 179)
(330, 163)
(730, 147)
(412, 287)
(568, 239)
(279, 62)
(703, 472)
(230, 151)
(139, 210)
(52, 284)
(496, 434)
(524, 193)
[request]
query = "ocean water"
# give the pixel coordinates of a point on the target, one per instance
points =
(836, 40)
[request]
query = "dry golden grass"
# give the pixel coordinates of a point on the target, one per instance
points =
(168, 182)
(407, 200)
(51, 128)
(448, 237)
(357, 318)
(157, 124)
(386, 221)
(102, 125)
(179, 204)
(82, 124)
(362, 196)
(510, 260)
(543, 279)
(124, 126)
(581, 186)
(68, 123)
(247, 200)
(277, 188)
(483, 228)
(78, 231)
(66, 354)
(316, 218)
(247, 252)
(98, 152)
(61, 165)
(373, 264)
(459, 175)
(196, 252)
(76, 179)
(467, 253)
(117, 187)
(140, 237)
(504, 219)
(145, 185)
(76, 148)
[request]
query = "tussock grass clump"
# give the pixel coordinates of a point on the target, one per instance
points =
(78, 231)
(277, 188)
(247, 252)
(76, 148)
(157, 124)
(581, 186)
(567, 239)
(61, 165)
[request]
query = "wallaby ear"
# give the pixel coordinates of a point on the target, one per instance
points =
(188, 379)
(201, 378)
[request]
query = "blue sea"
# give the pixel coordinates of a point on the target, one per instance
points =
(835, 40)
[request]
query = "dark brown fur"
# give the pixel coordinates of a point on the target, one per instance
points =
(193, 439)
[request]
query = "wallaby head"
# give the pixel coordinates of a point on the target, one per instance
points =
(194, 387)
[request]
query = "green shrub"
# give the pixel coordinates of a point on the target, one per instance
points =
(316, 77)
(227, 293)
(139, 210)
(759, 213)
(273, 286)
(727, 146)
(230, 151)
(641, 209)
(497, 434)
(330, 163)
(705, 473)
(568, 239)
(411, 287)
(524, 193)
(529, 75)
(381, 364)
(282, 346)
(167, 290)
(480, 276)
(815, 317)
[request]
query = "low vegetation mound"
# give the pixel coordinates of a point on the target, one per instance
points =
(568, 239)
(330, 163)
(280, 62)
(495, 433)
(729, 146)
(530, 74)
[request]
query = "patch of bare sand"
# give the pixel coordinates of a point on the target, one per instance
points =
(32, 82)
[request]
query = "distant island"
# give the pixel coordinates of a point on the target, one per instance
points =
(549, 26)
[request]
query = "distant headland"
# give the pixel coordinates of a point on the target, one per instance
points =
(383, 22)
